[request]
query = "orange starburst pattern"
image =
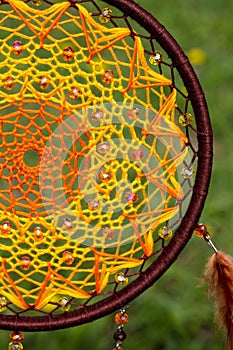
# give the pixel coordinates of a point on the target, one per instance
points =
(93, 162)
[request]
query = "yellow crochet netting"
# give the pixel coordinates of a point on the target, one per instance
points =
(90, 154)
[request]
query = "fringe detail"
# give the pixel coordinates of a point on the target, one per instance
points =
(219, 277)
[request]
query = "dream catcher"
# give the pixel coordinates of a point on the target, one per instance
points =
(106, 153)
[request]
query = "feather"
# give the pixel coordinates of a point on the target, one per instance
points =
(219, 277)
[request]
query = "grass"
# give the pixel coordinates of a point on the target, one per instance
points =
(175, 313)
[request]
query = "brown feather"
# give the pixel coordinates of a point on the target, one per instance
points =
(219, 277)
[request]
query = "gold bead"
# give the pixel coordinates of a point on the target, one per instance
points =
(44, 82)
(38, 233)
(74, 93)
(121, 279)
(156, 58)
(8, 83)
(68, 54)
(16, 337)
(25, 263)
(121, 318)
(64, 304)
(15, 346)
(200, 230)
(17, 48)
(3, 304)
(186, 119)
(68, 258)
(187, 173)
(165, 233)
(5, 228)
(108, 77)
(105, 15)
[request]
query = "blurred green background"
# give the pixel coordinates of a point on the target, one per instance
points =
(175, 313)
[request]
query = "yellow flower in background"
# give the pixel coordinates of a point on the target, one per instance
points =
(196, 56)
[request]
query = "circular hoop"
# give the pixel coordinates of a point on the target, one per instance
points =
(190, 219)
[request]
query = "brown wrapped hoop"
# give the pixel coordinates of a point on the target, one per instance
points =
(183, 233)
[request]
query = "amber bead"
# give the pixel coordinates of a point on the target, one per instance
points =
(8, 83)
(17, 48)
(25, 263)
(44, 82)
(97, 115)
(200, 230)
(38, 233)
(5, 228)
(108, 77)
(93, 204)
(68, 258)
(131, 197)
(105, 176)
(119, 335)
(133, 113)
(186, 119)
(68, 223)
(16, 337)
(118, 348)
(68, 54)
(74, 93)
(108, 233)
(105, 15)
(103, 147)
(121, 318)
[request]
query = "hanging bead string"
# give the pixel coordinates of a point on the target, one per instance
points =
(16, 339)
(121, 319)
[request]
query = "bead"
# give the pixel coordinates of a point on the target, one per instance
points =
(119, 335)
(165, 233)
(38, 233)
(25, 263)
(37, 2)
(68, 54)
(131, 197)
(93, 204)
(74, 93)
(105, 176)
(200, 230)
(137, 155)
(68, 258)
(118, 348)
(156, 58)
(5, 228)
(186, 119)
(64, 304)
(68, 223)
(16, 337)
(187, 173)
(97, 115)
(108, 233)
(8, 83)
(105, 15)
(108, 77)
(133, 113)
(15, 346)
(121, 318)
(121, 279)
(17, 48)
(103, 147)
(44, 82)
(3, 304)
